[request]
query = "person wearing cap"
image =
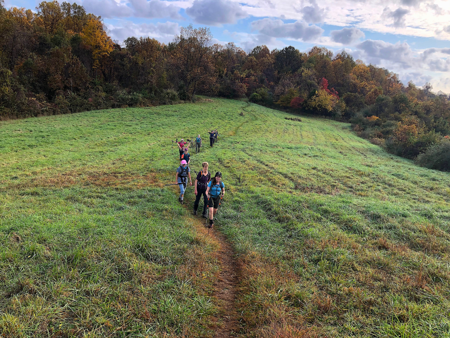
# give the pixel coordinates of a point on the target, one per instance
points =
(185, 156)
(183, 173)
(215, 188)
(181, 145)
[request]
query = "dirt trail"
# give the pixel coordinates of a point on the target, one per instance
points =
(226, 288)
(226, 323)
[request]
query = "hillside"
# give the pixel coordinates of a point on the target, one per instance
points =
(332, 236)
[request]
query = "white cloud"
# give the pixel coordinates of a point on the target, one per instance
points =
(347, 36)
(132, 8)
(278, 29)
(377, 50)
(313, 13)
(155, 9)
(107, 8)
(411, 2)
(398, 15)
(216, 12)
(163, 32)
(418, 78)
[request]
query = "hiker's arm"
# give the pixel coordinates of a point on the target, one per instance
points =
(195, 186)
(223, 191)
(190, 179)
(207, 192)
(176, 177)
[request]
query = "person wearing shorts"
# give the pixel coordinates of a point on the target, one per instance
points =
(215, 188)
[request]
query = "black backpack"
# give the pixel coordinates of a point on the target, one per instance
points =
(184, 174)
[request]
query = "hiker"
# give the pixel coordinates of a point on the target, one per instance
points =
(215, 189)
(201, 184)
(183, 173)
(185, 156)
(198, 143)
(211, 137)
(181, 146)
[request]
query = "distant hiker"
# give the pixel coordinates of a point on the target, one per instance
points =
(201, 184)
(211, 137)
(183, 173)
(181, 146)
(185, 156)
(198, 143)
(215, 189)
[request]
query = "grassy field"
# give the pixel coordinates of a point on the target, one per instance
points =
(334, 236)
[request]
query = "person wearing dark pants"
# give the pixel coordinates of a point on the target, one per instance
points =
(201, 184)
(198, 144)
(212, 135)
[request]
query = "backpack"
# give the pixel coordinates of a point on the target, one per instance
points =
(184, 174)
(202, 185)
(198, 140)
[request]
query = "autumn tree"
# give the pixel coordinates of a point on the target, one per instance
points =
(95, 38)
(191, 60)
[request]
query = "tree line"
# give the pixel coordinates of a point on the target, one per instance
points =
(60, 60)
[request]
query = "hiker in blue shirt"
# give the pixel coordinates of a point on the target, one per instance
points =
(215, 189)
(183, 173)
(198, 143)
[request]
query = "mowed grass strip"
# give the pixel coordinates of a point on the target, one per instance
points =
(335, 237)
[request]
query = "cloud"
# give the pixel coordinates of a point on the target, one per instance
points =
(107, 8)
(398, 15)
(278, 29)
(163, 32)
(216, 12)
(313, 13)
(411, 3)
(260, 40)
(347, 36)
(377, 50)
(418, 78)
(447, 29)
(134, 8)
(155, 9)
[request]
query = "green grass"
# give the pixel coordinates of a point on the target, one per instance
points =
(335, 237)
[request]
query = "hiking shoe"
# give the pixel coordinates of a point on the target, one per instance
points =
(195, 213)
(204, 216)
(211, 225)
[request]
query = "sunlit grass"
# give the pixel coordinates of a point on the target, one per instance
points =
(335, 237)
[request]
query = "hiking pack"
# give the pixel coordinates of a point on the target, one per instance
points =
(202, 185)
(184, 174)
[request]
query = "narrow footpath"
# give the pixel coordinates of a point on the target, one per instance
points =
(226, 323)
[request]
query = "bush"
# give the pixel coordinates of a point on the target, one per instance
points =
(133, 99)
(436, 157)
(255, 97)
(169, 96)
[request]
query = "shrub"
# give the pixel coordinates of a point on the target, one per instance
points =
(170, 96)
(255, 97)
(436, 157)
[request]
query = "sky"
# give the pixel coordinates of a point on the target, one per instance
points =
(408, 37)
